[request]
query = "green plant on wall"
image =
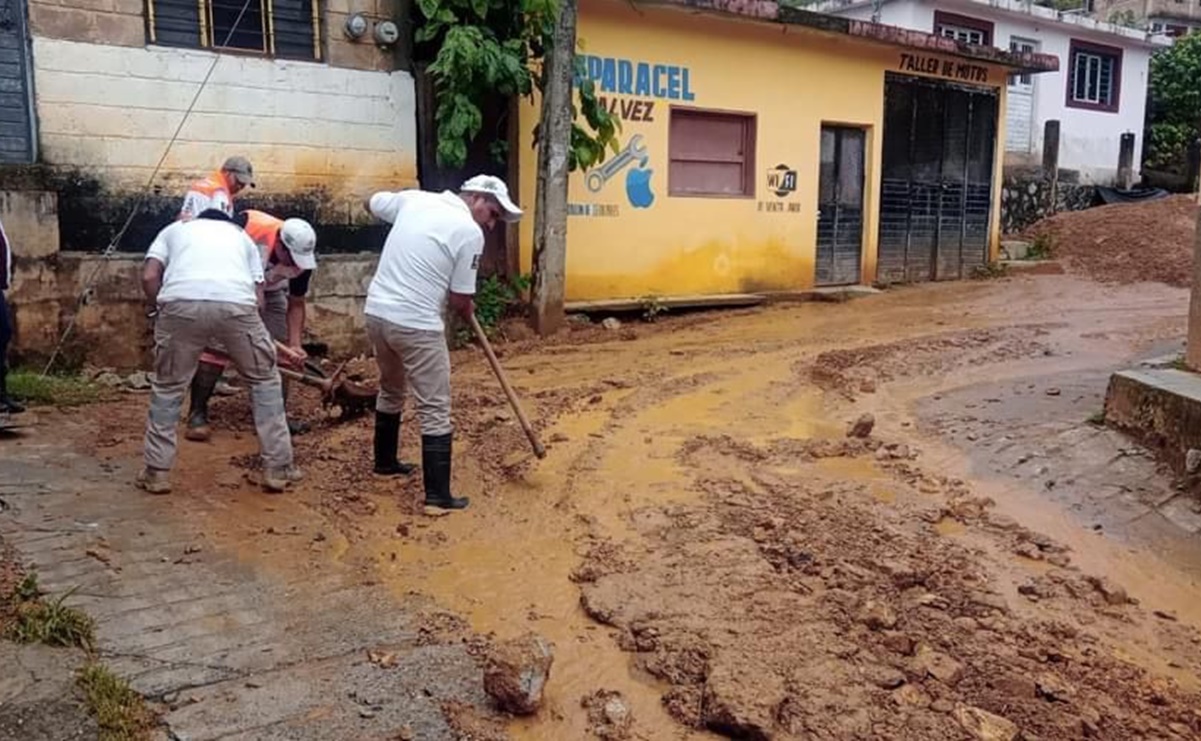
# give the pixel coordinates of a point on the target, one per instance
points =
(490, 47)
(497, 297)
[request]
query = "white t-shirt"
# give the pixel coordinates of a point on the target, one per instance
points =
(197, 202)
(207, 260)
(434, 248)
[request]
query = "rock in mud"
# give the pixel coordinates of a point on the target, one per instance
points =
(110, 379)
(937, 665)
(862, 428)
(983, 725)
(517, 671)
(877, 615)
(611, 323)
(1062, 560)
(899, 643)
(884, 677)
(741, 705)
(1112, 593)
(1051, 687)
(138, 381)
(609, 715)
(1192, 460)
(1028, 550)
(913, 696)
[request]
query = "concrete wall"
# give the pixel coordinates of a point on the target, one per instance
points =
(111, 110)
(111, 329)
(1089, 140)
(321, 134)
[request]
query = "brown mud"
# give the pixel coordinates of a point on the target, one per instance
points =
(704, 543)
(1126, 242)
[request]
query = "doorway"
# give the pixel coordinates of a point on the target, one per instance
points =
(936, 179)
(840, 206)
(1019, 105)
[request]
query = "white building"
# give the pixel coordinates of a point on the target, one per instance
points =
(1098, 94)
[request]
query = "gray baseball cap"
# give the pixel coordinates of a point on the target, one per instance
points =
(241, 169)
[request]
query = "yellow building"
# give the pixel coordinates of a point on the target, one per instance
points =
(774, 150)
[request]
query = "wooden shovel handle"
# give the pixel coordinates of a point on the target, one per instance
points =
(504, 384)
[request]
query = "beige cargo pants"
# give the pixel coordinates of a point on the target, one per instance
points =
(181, 332)
(416, 358)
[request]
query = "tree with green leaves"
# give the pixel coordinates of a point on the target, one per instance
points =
(1174, 109)
(497, 47)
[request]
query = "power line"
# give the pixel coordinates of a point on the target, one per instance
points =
(89, 284)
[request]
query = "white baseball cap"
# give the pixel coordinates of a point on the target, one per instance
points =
(300, 239)
(495, 187)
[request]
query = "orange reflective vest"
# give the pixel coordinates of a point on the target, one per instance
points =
(263, 230)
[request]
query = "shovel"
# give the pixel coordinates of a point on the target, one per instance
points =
(535, 443)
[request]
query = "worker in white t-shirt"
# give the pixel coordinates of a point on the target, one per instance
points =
(203, 279)
(429, 261)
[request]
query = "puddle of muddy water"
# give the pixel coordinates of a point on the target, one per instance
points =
(508, 572)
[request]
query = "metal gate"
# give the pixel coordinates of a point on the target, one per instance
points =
(936, 184)
(840, 206)
(16, 103)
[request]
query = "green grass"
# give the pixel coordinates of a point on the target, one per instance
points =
(51, 622)
(1042, 248)
(54, 390)
(121, 713)
(990, 270)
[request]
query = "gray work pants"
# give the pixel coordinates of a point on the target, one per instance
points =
(182, 330)
(416, 358)
(275, 314)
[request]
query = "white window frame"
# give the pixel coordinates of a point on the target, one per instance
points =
(962, 33)
(1094, 64)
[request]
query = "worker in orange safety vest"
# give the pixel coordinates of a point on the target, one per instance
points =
(217, 190)
(288, 250)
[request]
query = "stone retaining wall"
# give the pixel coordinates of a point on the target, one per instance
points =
(1026, 198)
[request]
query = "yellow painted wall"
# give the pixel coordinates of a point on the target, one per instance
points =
(794, 80)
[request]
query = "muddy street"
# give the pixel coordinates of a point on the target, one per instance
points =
(704, 541)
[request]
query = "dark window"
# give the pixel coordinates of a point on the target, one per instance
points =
(281, 28)
(711, 153)
(963, 28)
(1094, 76)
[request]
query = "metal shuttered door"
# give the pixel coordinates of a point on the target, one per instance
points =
(16, 116)
(936, 184)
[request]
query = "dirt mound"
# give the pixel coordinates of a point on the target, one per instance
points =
(1126, 242)
(789, 604)
(859, 370)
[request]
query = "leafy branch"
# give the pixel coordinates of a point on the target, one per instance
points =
(496, 47)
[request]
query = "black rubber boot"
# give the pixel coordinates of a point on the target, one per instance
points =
(203, 383)
(435, 468)
(7, 404)
(387, 441)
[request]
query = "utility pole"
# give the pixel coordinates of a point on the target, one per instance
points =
(1192, 350)
(550, 200)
